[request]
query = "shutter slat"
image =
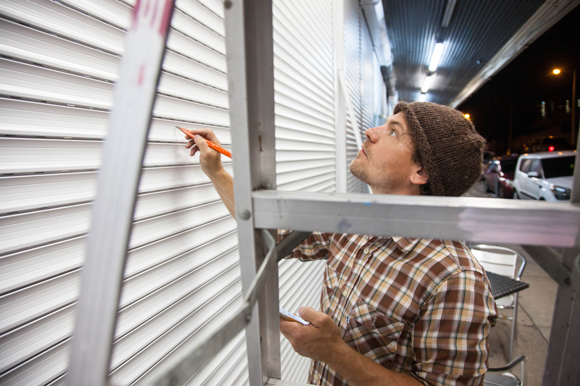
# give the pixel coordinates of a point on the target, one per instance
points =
(37, 83)
(236, 348)
(52, 155)
(209, 14)
(25, 119)
(177, 293)
(63, 21)
(162, 323)
(36, 337)
(215, 6)
(180, 338)
(40, 369)
(20, 193)
(42, 227)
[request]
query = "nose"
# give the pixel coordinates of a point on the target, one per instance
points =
(371, 134)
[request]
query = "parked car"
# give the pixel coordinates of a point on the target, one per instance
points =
(545, 176)
(499, 175)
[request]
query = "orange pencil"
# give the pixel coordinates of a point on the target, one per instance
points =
(217, 148)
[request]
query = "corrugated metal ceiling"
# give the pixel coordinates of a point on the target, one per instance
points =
(478, 29)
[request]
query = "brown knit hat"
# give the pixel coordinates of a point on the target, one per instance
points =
(449, 147)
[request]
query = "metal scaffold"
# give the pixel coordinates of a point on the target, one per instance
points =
(260, 208)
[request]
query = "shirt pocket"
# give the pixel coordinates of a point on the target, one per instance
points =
(372, 333)
(330, 290)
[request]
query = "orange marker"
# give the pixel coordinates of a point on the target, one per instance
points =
(217, 148)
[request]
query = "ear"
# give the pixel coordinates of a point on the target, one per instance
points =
(420, 177)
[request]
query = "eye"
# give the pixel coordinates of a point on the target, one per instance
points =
(393, 133)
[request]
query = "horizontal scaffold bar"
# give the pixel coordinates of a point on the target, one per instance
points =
(452, 218)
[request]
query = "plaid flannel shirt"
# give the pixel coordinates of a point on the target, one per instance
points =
(422, 307)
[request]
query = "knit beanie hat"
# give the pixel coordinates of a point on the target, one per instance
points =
(449, 147)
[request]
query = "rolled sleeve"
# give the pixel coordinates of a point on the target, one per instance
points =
(450, 340)
(314, 247)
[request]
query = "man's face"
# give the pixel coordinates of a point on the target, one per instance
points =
(385, 161)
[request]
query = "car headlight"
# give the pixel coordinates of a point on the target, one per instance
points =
(560, 192)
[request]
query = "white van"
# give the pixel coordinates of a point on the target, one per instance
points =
(545, 176)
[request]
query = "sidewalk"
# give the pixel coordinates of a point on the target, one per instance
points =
(536, 306)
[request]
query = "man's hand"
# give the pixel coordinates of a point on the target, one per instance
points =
(318, 340)
(209, 159)
(321, 341)
(211, 165)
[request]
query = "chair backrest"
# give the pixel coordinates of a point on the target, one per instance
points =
(502, 261)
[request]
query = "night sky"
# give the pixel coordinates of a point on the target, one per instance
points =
(524, 84)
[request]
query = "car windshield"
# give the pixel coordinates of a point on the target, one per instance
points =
(509, 166)
(558, 167)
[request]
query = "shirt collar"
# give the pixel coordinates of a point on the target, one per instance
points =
(405, 244)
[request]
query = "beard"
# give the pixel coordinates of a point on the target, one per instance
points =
(358, 170)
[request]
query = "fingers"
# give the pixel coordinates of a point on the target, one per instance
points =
(191, 144)
(207, 134)
(285, 326)
(291, 330)
(196, 144)
(201, 144)
(316, 318)
(194, 150)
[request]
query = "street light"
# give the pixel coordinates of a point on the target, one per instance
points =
(557, 71)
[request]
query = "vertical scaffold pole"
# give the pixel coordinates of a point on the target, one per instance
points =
(563, 361)
(250, 60)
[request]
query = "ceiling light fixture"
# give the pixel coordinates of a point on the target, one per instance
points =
(448, 13)
(436, 57)
(426, 84)
(422, 97)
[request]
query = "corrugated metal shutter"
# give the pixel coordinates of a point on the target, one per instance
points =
(57, 73)
(352, 55)
(305, 138)
(363, 82)
(367, 80)
(380, 94)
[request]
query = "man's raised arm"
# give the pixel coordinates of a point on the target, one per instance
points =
(211, 165)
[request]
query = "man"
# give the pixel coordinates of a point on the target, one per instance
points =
(396, 311)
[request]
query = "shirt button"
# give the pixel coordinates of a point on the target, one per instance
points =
(316, 378)
(366, 251)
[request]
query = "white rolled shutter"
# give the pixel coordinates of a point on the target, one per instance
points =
(367, 79)
(380, 94)
(352, 55)
(305, 138)
(57, 73)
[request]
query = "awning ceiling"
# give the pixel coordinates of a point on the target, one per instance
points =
(482, 36)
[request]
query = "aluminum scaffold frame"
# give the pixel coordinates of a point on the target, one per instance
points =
(249, 43)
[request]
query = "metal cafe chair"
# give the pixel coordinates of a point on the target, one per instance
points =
(504, 268)
(499, 376)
